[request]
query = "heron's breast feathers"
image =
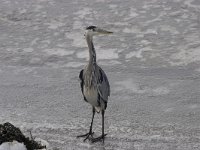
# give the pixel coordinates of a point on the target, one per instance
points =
(95, 86)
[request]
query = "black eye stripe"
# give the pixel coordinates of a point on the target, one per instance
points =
(91, 28)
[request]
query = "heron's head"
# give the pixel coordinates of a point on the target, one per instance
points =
(93, 30)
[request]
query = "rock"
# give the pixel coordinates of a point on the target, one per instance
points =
(10, 133)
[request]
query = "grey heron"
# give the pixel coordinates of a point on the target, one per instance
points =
(94, 83)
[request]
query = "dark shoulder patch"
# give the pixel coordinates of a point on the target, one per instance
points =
(101, 76)
(90, 27)
(81, 75)
(82, 83)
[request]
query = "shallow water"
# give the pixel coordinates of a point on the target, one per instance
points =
(152, 62)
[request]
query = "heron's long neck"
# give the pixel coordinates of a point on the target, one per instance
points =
(92, 53)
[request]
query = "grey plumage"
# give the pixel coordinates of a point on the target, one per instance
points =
(95, 79)
(94, 83)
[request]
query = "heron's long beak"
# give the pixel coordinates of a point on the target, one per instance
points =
(102, 31)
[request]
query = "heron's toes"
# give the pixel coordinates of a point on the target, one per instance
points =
(87, 135)
(101, 138)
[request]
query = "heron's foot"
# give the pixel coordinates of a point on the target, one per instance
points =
(101, 138)
(87, 135)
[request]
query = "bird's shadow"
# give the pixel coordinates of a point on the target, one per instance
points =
(111, 143)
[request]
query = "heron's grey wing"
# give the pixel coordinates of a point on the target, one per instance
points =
(82, 83)
(103, 85)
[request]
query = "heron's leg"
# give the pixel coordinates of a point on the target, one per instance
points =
(90, 131)
(102, 135)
